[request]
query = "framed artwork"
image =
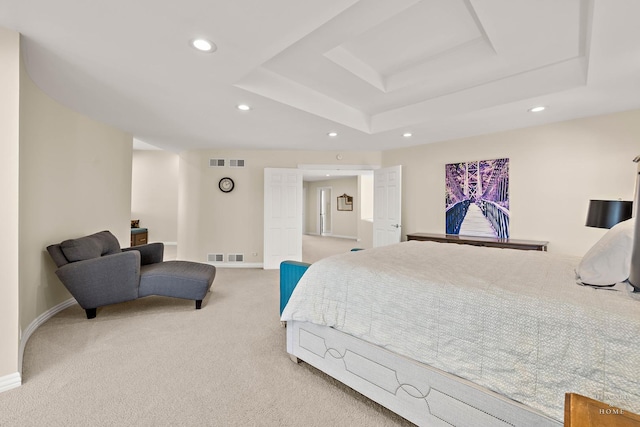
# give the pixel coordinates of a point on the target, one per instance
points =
(477, 198)
(345, 203)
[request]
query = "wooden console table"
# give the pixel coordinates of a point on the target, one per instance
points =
(529, 245)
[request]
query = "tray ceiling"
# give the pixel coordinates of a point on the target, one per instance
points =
(368, 70)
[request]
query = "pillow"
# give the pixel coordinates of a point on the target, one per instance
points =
(110, 244)
(88, 247)
(609, 260)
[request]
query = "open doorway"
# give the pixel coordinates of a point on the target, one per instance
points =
(283, 239)
(329, 229)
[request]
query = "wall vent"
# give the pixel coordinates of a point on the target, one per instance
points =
(235, 257)
(216, 163)
(215, 258)
(236, 163)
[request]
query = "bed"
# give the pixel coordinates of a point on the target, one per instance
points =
(461, 335)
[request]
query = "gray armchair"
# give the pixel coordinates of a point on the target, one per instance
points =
(97, 272)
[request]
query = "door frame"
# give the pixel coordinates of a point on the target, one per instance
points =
(318, 170)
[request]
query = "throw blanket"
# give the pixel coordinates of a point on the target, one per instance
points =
(515, 322)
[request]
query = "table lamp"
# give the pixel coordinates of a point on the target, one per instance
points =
(607, 213)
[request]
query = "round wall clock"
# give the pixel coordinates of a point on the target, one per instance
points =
(226, 185)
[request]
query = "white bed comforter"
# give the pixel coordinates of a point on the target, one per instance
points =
(515, 322)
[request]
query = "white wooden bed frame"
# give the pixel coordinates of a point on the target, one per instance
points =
(423, 395)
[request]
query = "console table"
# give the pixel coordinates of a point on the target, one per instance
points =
(529, 245)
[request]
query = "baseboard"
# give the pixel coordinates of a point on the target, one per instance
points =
(170, 243)
(26, 334)
(333, 235)
(10, 381)
(343, 237)
(237, 264)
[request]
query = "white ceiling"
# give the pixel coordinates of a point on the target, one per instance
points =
(367, 69)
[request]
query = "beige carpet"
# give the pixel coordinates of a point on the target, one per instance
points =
(158, 361)
(318, 247)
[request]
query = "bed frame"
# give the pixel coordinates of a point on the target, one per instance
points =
(423, 395)
(415, 391)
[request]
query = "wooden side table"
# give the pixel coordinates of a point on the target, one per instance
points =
(139, 236)
(581, 411)
(529, 245)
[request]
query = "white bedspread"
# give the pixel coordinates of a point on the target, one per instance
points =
(512, 321)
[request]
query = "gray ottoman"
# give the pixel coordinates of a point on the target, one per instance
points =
(178, 279)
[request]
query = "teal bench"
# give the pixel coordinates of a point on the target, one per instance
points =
(290, 274)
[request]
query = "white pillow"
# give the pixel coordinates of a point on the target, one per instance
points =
(609, 260)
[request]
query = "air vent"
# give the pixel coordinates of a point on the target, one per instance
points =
(236, 163)
(235, 257)
(216, 163)
(215, 258)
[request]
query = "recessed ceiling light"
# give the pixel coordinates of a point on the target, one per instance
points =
(537, 109)
(204, 45)
(243, 107)
(332, 134)
(407, 134)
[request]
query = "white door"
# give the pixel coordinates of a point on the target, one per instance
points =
(324, 206)
(387, 209)
(282, 216)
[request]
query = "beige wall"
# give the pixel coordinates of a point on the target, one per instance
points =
(554, 170)
(343, 223)
(75, 179)
(210, 221)
(154, 193)
(9, 175)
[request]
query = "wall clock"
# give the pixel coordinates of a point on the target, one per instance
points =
(226, 185)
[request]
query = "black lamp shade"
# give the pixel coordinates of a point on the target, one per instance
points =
(607, 213)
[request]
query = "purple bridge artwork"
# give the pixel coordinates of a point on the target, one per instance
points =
(477, 198)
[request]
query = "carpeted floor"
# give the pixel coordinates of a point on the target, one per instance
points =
(318, 247)
(158, 361)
